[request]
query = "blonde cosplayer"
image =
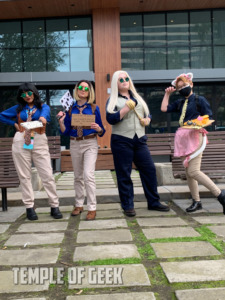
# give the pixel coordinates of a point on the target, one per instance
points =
(114, 93)
(91, 94)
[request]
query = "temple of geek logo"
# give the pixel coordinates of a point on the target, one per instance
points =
(75, 275)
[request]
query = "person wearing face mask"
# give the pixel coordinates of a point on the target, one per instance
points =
(128, 114)
(188, 140)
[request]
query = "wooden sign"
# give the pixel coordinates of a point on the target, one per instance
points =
(82, 120)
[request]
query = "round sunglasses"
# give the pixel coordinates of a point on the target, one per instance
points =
(80, 87)
(23, 95)
(121, 80)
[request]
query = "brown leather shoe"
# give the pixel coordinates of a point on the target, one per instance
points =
(77, 211)
(91, 215)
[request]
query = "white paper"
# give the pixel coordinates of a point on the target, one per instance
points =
(66, 101)
(32, 124)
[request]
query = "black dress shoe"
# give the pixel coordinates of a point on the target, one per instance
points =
(31, 214)
(130, 212)
(159, 207)
(221, 199)
(56, 213)
(196, 205)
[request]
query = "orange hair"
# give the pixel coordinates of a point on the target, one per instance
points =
(184, 79)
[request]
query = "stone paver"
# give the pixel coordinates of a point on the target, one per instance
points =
(218, 230)
(184, 249)
(47, 217)
(105, 214)
(171, 232)
(201, 294)
(89, 253)
(161, 222)
(12, 214)
(34, 239)
(7, 284)
(103, 224)
(210, 219)
(144, 212)
(104, 236)
(121, 296)
(47, 209)
(123, 275)
(31, 299)
(43, 227)
(188, 271)
(4, 227)
(210, 205)
(29, 257)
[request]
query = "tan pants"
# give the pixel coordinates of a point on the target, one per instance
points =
(41, 158)
(84, 155)
(195, 176)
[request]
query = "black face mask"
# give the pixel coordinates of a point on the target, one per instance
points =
(185, 91)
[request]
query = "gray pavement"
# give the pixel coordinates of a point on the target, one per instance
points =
(155, 255)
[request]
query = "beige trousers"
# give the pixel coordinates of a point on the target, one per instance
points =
(195, 176)
(84, 155)
(41, 158)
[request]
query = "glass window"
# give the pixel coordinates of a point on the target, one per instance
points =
(177, 28)
(219, 27)
(154, 30)
(132, 58)
(11, 60)
(201, 57)
(178, 58)
(219, 57)
(200, 27)
(81, 59)
(58, 59)
(80, 32)
(155, 58)
(131, 31)
(34, 60)
(33, 33)
(10, 35)
(57, 33)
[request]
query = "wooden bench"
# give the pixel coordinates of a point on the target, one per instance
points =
(158, 144)
(8, 174)
(213, 159)
(104, 160)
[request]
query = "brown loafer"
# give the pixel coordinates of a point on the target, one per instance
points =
(91, 215)
(77, 211)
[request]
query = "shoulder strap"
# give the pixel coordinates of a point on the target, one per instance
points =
(70, 110)
(198, 106)
(93, 108)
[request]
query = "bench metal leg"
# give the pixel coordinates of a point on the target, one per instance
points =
(4, 199)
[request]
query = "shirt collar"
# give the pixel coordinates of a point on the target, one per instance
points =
(130, 93)
(75, 104)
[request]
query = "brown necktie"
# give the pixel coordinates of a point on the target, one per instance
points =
(27, 135)
(80, 128)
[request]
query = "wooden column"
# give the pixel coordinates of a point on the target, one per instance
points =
(107, 58)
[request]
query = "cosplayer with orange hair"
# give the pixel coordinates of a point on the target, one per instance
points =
(191, 137)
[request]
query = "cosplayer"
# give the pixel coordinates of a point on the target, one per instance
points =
(191, 137)
(128, 114)
(83, 146)
(31, 145)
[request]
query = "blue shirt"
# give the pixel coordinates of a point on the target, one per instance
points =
(9, 116)
(70, 131)
(192, 112)
(114, 118)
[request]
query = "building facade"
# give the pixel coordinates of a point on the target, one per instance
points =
(56, 43)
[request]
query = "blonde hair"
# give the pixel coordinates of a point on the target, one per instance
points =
(184, 79)
(114, 93)
(91, 93)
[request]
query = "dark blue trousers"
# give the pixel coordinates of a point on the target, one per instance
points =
(125, 151)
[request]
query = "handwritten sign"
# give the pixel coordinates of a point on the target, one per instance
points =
(82, 120)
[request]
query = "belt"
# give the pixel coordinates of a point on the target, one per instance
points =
(86, 137)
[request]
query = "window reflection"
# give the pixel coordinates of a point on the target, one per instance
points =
(177, 28)
(44, 45)
(219, 27)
